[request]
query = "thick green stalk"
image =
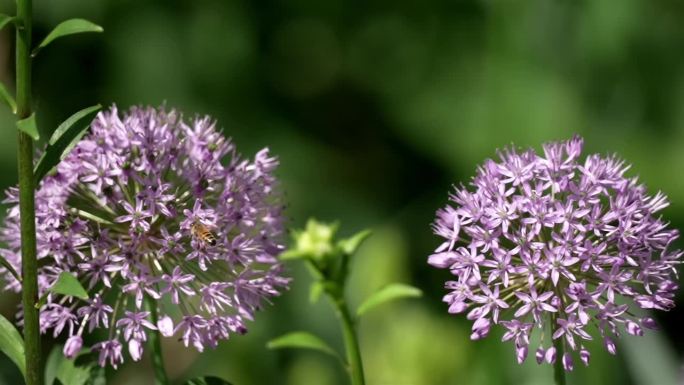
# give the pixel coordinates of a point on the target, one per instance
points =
(351, 343)
(154, 345)
(34, 366)
(558, 370)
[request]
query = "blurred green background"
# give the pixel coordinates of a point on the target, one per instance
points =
(376, 108)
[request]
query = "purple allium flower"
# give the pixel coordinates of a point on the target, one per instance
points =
(120, 214)
(550, 243)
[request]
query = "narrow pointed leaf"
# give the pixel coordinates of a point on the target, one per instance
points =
(68, 27)
(8, 266)
(29, 126)
(63, 140)
(7, 98)
(67, 284)
(5, 19)
(315, 291)
(11, 344)
(42, 300)
(291, 254)
(301, 340)
(388, 293)
(71, 144)
(73, 119)
(209, 380)
(351, 244)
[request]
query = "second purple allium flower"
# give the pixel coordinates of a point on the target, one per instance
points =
(555, 244)
(122, 214)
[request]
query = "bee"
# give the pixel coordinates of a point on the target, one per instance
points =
(203, 233)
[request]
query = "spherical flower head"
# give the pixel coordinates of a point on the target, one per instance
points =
(550, 243)
(152, 205)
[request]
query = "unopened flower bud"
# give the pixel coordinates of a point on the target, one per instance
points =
(165, 326)
(73, 346)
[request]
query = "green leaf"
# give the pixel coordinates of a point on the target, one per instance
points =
(301, 340)
(97, 376)
(68, 27)
(351, 244)
(63, 140)
(291, 254)
(70, 374)
(11, 344)
(7, 98)
(208, 380)
(5, 263)
(315, 291)
(52, 364)
(5, 19)
(28, 126)
(73, 119)
(66, 371)
(67, 284)
(388, 293)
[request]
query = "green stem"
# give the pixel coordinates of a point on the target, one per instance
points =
(558, 370)
(351, 343)
(154, 345)
(32, 350)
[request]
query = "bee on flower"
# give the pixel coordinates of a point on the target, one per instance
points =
(164, 223)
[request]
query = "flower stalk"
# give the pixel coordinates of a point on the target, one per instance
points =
(351, 343)
(34, 371)
(154, 343)
(558, 370)
(328, 261)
